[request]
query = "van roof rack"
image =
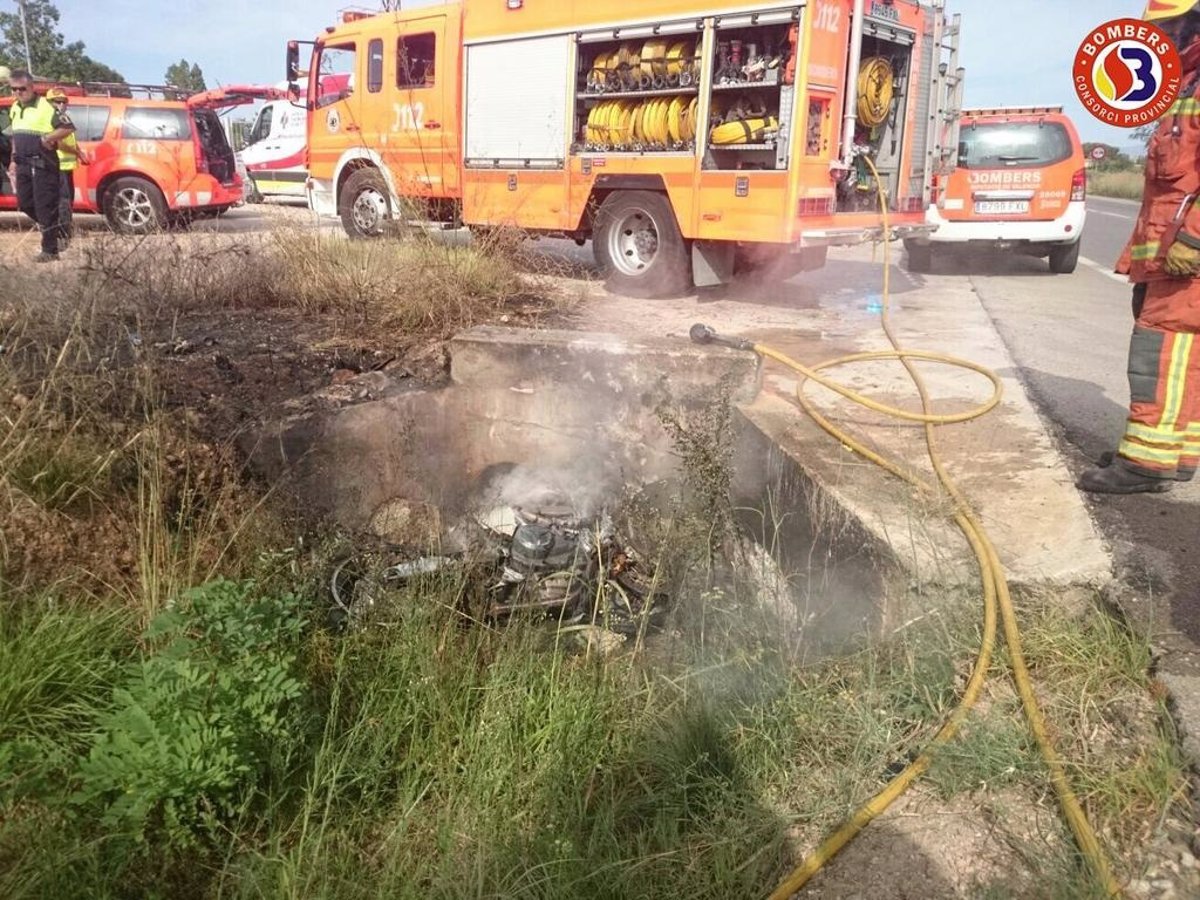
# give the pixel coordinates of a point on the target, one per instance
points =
(116, 89)
(1011, 111)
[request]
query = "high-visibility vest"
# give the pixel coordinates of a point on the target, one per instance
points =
(36, 119)
(29, 125)
(68, 159)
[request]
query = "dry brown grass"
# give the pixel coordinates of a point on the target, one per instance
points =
(411, 283)
(106, 482)
(102, 491)
(1123, 185)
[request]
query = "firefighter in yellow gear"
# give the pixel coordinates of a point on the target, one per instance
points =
(70, 156)
(1161, 443)
(37, 128)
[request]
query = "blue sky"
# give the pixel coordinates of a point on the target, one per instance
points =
(1016, 52)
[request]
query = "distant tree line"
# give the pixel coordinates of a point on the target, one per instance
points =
(54, 59)
(49, 53)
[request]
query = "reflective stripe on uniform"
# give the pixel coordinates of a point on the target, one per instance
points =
(1155, 435)
(1142, 453)
(1160, 444)
(1189, 457)
(1181, 353)
(1188, 106)
(1143, 252)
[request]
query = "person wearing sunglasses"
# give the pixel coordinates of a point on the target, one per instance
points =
(37, 129)
(70, 155)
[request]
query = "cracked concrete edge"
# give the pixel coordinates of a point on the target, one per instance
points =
(1176, 660)
(1183, 692)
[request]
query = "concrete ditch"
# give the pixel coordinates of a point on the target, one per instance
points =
(371, 453)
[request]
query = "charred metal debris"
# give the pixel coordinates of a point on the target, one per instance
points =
(543, 559)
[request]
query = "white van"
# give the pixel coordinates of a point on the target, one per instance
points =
(274, 151)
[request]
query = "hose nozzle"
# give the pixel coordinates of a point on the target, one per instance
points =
(702, 334)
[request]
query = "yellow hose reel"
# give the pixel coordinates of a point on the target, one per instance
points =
(876, 91)
(660, 123)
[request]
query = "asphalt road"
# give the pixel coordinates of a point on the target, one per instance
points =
(1070, 336)
(1110, 222)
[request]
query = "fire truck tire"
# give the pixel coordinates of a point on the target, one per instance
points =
(1064, 259)
(365, 205)
(135, 205)
(639, 247)
(920, 257)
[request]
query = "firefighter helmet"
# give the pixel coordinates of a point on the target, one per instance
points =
(56, 94)
(1157, 10)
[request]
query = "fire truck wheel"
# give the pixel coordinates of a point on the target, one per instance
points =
(134, 205)
(639, 247)
(1063, 260)
(364, 205)
(920, 257)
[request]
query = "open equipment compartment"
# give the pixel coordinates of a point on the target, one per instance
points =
(638, 89)
(884, 81)
(753, 94)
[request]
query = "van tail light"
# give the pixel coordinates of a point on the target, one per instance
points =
(1079, 185)
(198, 147)
(935, 190)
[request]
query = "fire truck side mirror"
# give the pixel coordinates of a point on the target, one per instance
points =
(293, 62)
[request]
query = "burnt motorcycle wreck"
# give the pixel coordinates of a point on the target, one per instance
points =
(541, 559)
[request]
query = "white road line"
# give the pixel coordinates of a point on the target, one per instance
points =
(1121, 201)
(1104, 270)
(1105, 212)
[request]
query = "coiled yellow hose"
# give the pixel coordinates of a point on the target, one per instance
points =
(994, 583)
(876, 89)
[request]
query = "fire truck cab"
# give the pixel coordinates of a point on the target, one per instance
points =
(683, 137)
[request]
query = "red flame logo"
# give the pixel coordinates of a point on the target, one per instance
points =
(1118, 73)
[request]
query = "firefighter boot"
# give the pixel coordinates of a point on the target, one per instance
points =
(1117, 479)
(1183, 473)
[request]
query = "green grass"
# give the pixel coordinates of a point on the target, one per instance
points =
(443, 761)
(1122, 185)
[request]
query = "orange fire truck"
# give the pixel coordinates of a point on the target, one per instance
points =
(683, 137)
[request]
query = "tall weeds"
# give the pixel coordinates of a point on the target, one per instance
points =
(266, 756)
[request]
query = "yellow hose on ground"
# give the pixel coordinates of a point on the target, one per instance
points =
(993, 581)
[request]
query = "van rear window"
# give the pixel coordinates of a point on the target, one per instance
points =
(156, 123)
(1002, 145)
(90, 121)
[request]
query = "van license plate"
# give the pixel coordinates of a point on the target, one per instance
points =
(1001, 207)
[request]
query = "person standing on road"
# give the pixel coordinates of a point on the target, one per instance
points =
(1161, 444)
(70, 155)
(37, 127)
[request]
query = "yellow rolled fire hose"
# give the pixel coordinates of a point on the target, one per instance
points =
(876, 89)
(994, 583)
